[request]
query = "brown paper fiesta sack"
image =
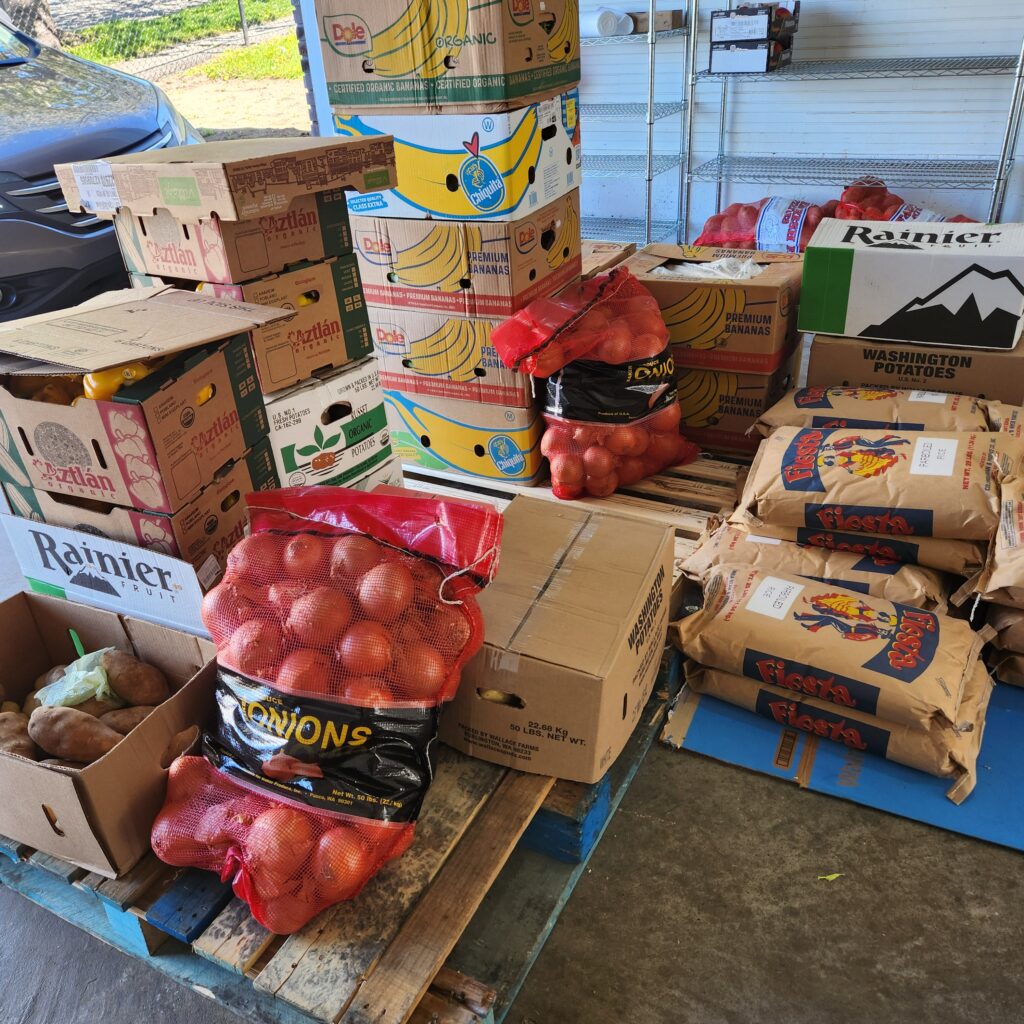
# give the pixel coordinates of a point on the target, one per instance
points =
(880, 577)
(873, 409)
(900, 663)
(1005, 418)
(879, 481)
(1002, 579)
(1008, 668)
(1009, 626)
(960, 557)
(939, 750)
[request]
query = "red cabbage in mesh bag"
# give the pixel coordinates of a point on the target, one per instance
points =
(342, 623)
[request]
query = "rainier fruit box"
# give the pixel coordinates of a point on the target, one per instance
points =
(740, 326)
(208, 526)
(446, 357)
(230, 211)
(331, 429)
(451, 55)
(469, 269)
(99, 817)
(958, 285)
(575, 628)
(475, 166)
(492, 442)
(157, 442)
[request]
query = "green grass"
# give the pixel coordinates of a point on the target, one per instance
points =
(273, 58)
(124, 39)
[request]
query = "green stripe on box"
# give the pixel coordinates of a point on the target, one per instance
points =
(335, 232)
(49, 589)
(825, 290)
(368, 465)
(355, 323)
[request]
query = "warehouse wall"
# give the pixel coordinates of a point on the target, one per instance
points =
(915, 118)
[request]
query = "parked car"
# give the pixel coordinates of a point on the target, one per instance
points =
(56, 108)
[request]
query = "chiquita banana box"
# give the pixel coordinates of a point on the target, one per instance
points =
(485, 441)
(473, 166)
(475, 269)
(446, 55)
(444, 357)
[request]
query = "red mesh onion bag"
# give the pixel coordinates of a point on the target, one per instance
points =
(869, 199)
(342, 624)
(771, 224)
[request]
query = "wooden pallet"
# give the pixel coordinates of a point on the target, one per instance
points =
(496, 855)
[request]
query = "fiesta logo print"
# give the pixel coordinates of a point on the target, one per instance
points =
(885, 556)
(812, 450)
(821, 398)
(828, 725)
(809, 681)
(902, 522)
(480, 179)
(348, 35)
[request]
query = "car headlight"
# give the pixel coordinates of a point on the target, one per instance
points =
(168, 117)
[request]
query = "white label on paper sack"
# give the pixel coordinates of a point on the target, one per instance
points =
(928, 396)
(934, 456)
(96, 186)
(754, 538)
(774, 597)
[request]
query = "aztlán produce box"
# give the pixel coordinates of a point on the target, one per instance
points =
(158, 442)
(330, 429)
(740, 326)
(575, 628)
(475, 166)
(100, 816)
(230, 211)
(986, 374)
(469, 269)
(450, 55)
(956, 285)
(488, 441)
(433, 354)
(208, 526)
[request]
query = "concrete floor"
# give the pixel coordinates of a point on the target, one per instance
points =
(701, 906)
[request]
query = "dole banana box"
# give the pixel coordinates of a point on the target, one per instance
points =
(202, 532)
(230, 211)
(331, 429)
(471, 269)
(439, 356)
(428, 56)
(737, 326)
(489, 442)
(157, 441)
(475, 166)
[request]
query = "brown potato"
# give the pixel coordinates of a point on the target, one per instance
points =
(134, 681)
(11, 705)
(125, 719)
(31, 703)
(14, 735)
(71, 734)
(96, 707)
(55, 675)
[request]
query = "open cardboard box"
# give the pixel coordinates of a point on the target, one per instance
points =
(158, 442)
(99, 817)
(575, 628)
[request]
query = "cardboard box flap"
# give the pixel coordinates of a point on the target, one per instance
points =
(133, 324)
(659, 255)
(235, 180)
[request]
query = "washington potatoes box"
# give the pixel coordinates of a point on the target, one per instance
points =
(957, 285)
(230, 211)
(158, 441)
(445, 357)
(99, 817)
(737, 326)
(425, 56)
(575, 627)
(475, 166)
(469, 269)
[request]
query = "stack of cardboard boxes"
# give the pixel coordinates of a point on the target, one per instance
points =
(753, 38)
(485, 217)
(733, 340)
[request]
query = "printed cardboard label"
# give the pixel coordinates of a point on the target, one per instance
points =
(928, 396)
(934, 456)
(96, 186)
(774, 597)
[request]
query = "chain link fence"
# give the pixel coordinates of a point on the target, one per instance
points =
(152, 38)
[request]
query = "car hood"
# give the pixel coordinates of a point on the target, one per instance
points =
(55, 108)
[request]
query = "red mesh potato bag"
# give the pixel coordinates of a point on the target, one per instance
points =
(771, 224)
(869, 199)
(342, 623)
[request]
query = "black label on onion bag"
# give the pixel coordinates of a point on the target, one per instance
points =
(602, 393)
(369, 762)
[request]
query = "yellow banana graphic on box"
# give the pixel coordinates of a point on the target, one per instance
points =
(407, 45)
(502, 453)
(564, 41)
(700, 394)
(567, 238)
(452, 351)
(699, 319)
(440, 259)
